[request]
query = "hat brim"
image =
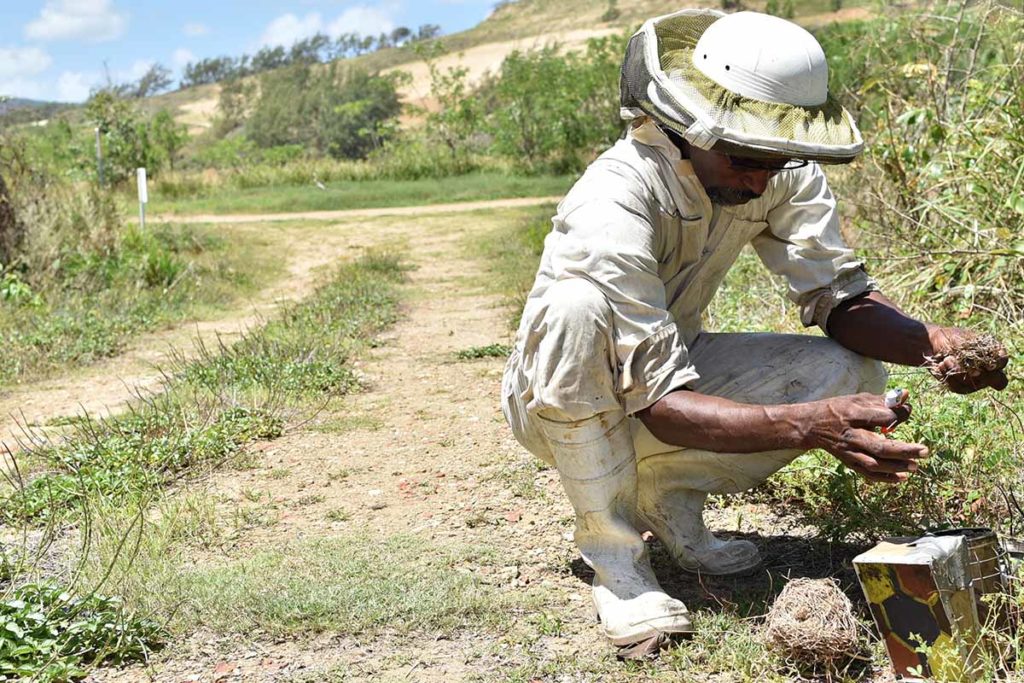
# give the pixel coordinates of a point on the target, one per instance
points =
(660, 79)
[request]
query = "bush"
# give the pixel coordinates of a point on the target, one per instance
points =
(553, 111)
(338, 112)
(129, 141)
(943, 196)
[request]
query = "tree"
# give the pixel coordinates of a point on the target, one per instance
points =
(546, 108)
(400, 35)
(156, 79)
(129, 141)
(427, 32)
(336, 111)
(235, 105)
(168, 135)
(269, 58)
(311, 50)
(209, 70)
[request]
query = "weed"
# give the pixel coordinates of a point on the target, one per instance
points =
(279, 473)
(253, 495)
(308, 499)
(346, 423)
(253, 517)
(489, 351)
(338, 515)
(339, 474)
(49, 634)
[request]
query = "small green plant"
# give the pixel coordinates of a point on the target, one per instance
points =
(489, 351)
(338, 515)
(50, 634)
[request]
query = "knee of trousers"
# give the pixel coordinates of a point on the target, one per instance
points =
(573, 364)
(853, 373)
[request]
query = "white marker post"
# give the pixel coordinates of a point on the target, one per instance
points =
(143, 197)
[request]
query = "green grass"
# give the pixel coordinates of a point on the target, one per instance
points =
(99, 301)
(107, 475)
(489, 351)
(367, 194)
(216, 403)
(347, 586)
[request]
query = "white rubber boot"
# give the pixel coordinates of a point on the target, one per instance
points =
(597, 466)
(676, 516)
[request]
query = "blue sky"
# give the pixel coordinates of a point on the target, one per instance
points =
(57, 49)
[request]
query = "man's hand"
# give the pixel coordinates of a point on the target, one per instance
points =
(845, 427)
(965, 361)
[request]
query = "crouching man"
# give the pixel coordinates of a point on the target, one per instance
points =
(612, 379)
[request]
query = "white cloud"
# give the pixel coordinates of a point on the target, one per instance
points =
(92, 20)
(21, 87)
(74, 86)
(22, 61)
(181, 57)
(288, 28)
(366, 21)
(195, 28)
(362, 19)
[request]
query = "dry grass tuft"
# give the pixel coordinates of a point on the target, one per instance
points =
(812, 625)
(983, 353)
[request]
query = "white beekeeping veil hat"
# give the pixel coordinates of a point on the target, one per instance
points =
(743, 83)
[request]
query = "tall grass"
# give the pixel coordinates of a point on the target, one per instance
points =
(941, 189)
(81, 280)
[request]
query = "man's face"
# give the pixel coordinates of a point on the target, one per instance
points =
(730, 180)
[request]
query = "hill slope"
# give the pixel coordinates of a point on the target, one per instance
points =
(519, 25)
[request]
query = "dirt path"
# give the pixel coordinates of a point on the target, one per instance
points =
(460, 207)
(103, 388)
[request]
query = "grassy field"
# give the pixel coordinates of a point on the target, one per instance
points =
(366, 194)
(151, 280)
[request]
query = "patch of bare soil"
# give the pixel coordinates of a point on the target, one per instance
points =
(425, 451)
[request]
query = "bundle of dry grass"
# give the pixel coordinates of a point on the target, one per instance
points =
(812, 624)
(982, 353)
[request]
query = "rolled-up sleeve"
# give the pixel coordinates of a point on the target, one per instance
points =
(803, 244)
(604, 234)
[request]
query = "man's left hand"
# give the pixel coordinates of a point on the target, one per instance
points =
(965, 378)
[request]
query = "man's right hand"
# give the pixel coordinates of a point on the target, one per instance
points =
(847, 426)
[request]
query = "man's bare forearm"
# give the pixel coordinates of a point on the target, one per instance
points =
(692, 420)
(874, 326)
(844, 426)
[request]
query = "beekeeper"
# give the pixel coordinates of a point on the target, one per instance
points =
(612, 379)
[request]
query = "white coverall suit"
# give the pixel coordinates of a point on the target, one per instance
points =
(613, 323)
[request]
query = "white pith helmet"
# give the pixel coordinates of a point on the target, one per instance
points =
(762, 87)
(764, 58)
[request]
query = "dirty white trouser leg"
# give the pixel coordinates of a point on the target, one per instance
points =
(592, 449)
(747, 368)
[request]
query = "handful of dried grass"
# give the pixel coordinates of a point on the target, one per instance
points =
(981, 353)
(812, 624)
